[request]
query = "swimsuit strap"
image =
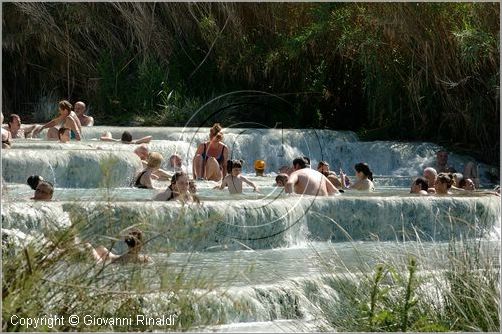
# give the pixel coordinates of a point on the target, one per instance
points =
(172, 194)
(138, 184)
(220, 157)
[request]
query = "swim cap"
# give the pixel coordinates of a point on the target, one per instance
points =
(259, 164)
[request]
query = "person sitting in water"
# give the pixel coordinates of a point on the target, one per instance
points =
(144, 179)
(134, 242)
(444, 181)
(84, 119)
(33, 181)
(6, 135)
(67, 119)
(259, 167)
(176, 164)
(17, 130)
(430, 174)
(126, 138)
(442, 162)
(142, 152)
(177, 190)
(308, 181)
(64, 135)
(43, 191)
(364, 178)
(210, 160)
(281, 180)
(323, 168)
(235, 179)
(419, 186)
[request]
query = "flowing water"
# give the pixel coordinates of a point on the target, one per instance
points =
(268, 250)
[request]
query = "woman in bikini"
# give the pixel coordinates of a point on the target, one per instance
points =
(210, 161)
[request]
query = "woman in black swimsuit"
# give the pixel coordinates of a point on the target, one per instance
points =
(210, 161)
(144, 179)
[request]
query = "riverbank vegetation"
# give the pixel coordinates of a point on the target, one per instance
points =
(399, 71)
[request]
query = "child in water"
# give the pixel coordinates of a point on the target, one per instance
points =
(234, 179)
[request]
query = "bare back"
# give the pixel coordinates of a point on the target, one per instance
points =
(310, 182)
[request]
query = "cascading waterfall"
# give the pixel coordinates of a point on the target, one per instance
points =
(269, 231)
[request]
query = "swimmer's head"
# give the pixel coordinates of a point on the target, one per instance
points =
(281, 180)
(134, 238)
(154, 160)
(64, 135)
(33, 181)
(126, 137)
(259, 167)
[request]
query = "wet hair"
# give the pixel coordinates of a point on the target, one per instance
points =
(134, 237)
(307, 160)
(322, 163)
(33, 181)
(154, 159)
(301, 162)
(126, 137)
(234, 163)
(12, 117)
(61, 132)
(446, 178)
(282, 177)
(422, 182)
(65, 105)
(215, 129)
(365, 169)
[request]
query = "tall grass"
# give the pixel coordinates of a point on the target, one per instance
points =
(419, 71)
(454, 288)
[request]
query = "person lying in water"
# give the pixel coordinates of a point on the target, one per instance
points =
(235, 179)
(134, 242)
(126, 138)
(179, 189)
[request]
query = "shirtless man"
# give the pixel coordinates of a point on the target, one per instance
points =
(16, 130)
(308, 181)
(66, 119)
(85, 120)
(442, 163)
(44, 191)
(430, 174)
